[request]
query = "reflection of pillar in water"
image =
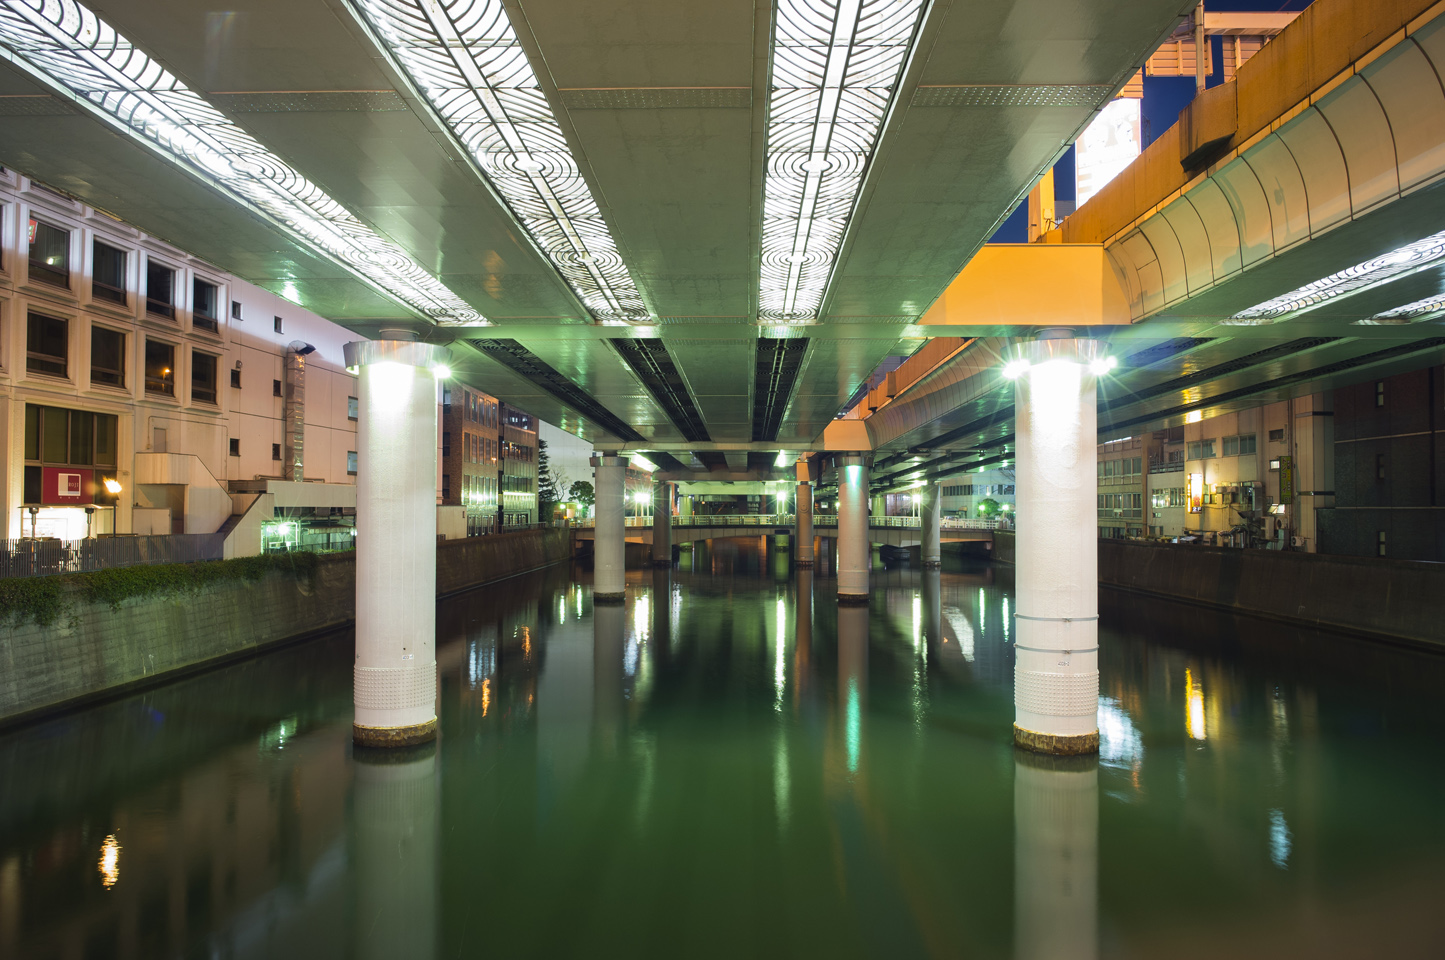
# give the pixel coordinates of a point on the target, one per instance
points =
(781, 557)
(1056, 857)
(660, 632)
(609, 643)
(396, 816)
(853, 678)
(932, 590)
(802, 632)
(662, 523)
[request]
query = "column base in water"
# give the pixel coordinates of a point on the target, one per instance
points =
(609, 597)
(853, 599)
(803, 564)
(1056, 744)
(394, 736)
(932, 564)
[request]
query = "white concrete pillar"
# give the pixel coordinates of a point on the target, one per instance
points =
(1056, 669)
(853, 556)
(804, 550)
(609, 547)
(684, 507)
(661, 524)
(396, 817)
(395, 672)
(930, 525)
(1056, 857)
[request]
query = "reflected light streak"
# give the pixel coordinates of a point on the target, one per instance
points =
(1120, 742)
(780, 665)
(109, 864)
(781, 784)
(1194, 699)
(962, 629)
(917, 621)
(1280, 839)
(854, 722)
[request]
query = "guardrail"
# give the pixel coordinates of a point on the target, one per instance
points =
(819, 520)
(39, 558)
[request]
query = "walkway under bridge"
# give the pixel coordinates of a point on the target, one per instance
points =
(891, 531)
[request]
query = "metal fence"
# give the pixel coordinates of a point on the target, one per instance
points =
(39, 558)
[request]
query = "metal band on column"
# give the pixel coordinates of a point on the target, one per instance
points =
(395, 673)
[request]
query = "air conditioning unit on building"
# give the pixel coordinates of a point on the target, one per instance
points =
(1296, 541)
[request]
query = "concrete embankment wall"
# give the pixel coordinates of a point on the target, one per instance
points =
(95, 649)
(1396, 600)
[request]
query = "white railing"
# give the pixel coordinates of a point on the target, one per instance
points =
(819, 520)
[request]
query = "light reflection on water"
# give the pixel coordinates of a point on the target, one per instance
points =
(730, 764)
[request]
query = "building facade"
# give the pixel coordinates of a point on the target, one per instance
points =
(487, 464)
(962, 495)
(1121, 488)
(127, 364)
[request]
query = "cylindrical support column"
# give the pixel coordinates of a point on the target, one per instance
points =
(804, 550)
(609, 548)
(1056, 669)
(396, 814)
(661, 524)
(395, 673)
(930, 524)
(853, 556)
(684, 507)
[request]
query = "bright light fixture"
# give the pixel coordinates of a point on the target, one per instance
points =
(442, 372)
(464, 58)
(1015, 368)
(112, 486)
(783, 458)
(68, 47)
(641, 496)
(1398, 263)
(1102, 365)
(642, 463)
(835, 70)
(1409, 313)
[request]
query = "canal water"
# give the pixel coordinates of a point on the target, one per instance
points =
(731, 766)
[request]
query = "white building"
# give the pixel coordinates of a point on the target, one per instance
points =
(123, 359)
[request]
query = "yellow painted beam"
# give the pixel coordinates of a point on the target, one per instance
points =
(1034, 285)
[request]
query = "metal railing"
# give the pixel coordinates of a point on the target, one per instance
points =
(39, 558)
(819, 520)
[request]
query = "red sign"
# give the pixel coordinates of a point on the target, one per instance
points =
(67, 485)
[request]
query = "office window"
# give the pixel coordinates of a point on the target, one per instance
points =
(1201, 450)
(1379, 466)
(1276, 436)
(236, 379)
(275, 388)
(205, 298)
(1380, 544)
(275, 451)
(353, 408)
(235, 448)
(1380, 402)
(203, 377)
(107, 357)
(235, 309)
(1248, 445)
(351, 463)
(446, 443)
(279, 325)
(49, 254)
(160, 368)
(446, 487)
(107, 275)
(47, 347)
(160, 290)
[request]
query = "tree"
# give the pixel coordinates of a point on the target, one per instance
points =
(988, 507)
(547, 492)
(582, 492)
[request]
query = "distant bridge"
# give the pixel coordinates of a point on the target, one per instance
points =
(894, 531)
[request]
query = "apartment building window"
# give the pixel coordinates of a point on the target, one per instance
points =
(160, 368)
(236, 378)
(107, 357)
(160, 290)
(351, 463)
(235, 448)
(446, 443)
(205, 299)
(235, 309)
(1380, 544)
(1201, 450)
(275, 388)
(1276, 436)
(279, 325)
(446, 486)
(49, 254)
(1379, 466)
(107, 274)
(1241, 446)
(353, 408)
(203, 377)
(275, 451)
(47, 347)
(1380, 402)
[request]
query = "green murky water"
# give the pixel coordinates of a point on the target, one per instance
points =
(730, 766)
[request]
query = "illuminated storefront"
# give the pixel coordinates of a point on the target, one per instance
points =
(69, 456)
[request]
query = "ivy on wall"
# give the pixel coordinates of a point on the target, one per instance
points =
(44, 600)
